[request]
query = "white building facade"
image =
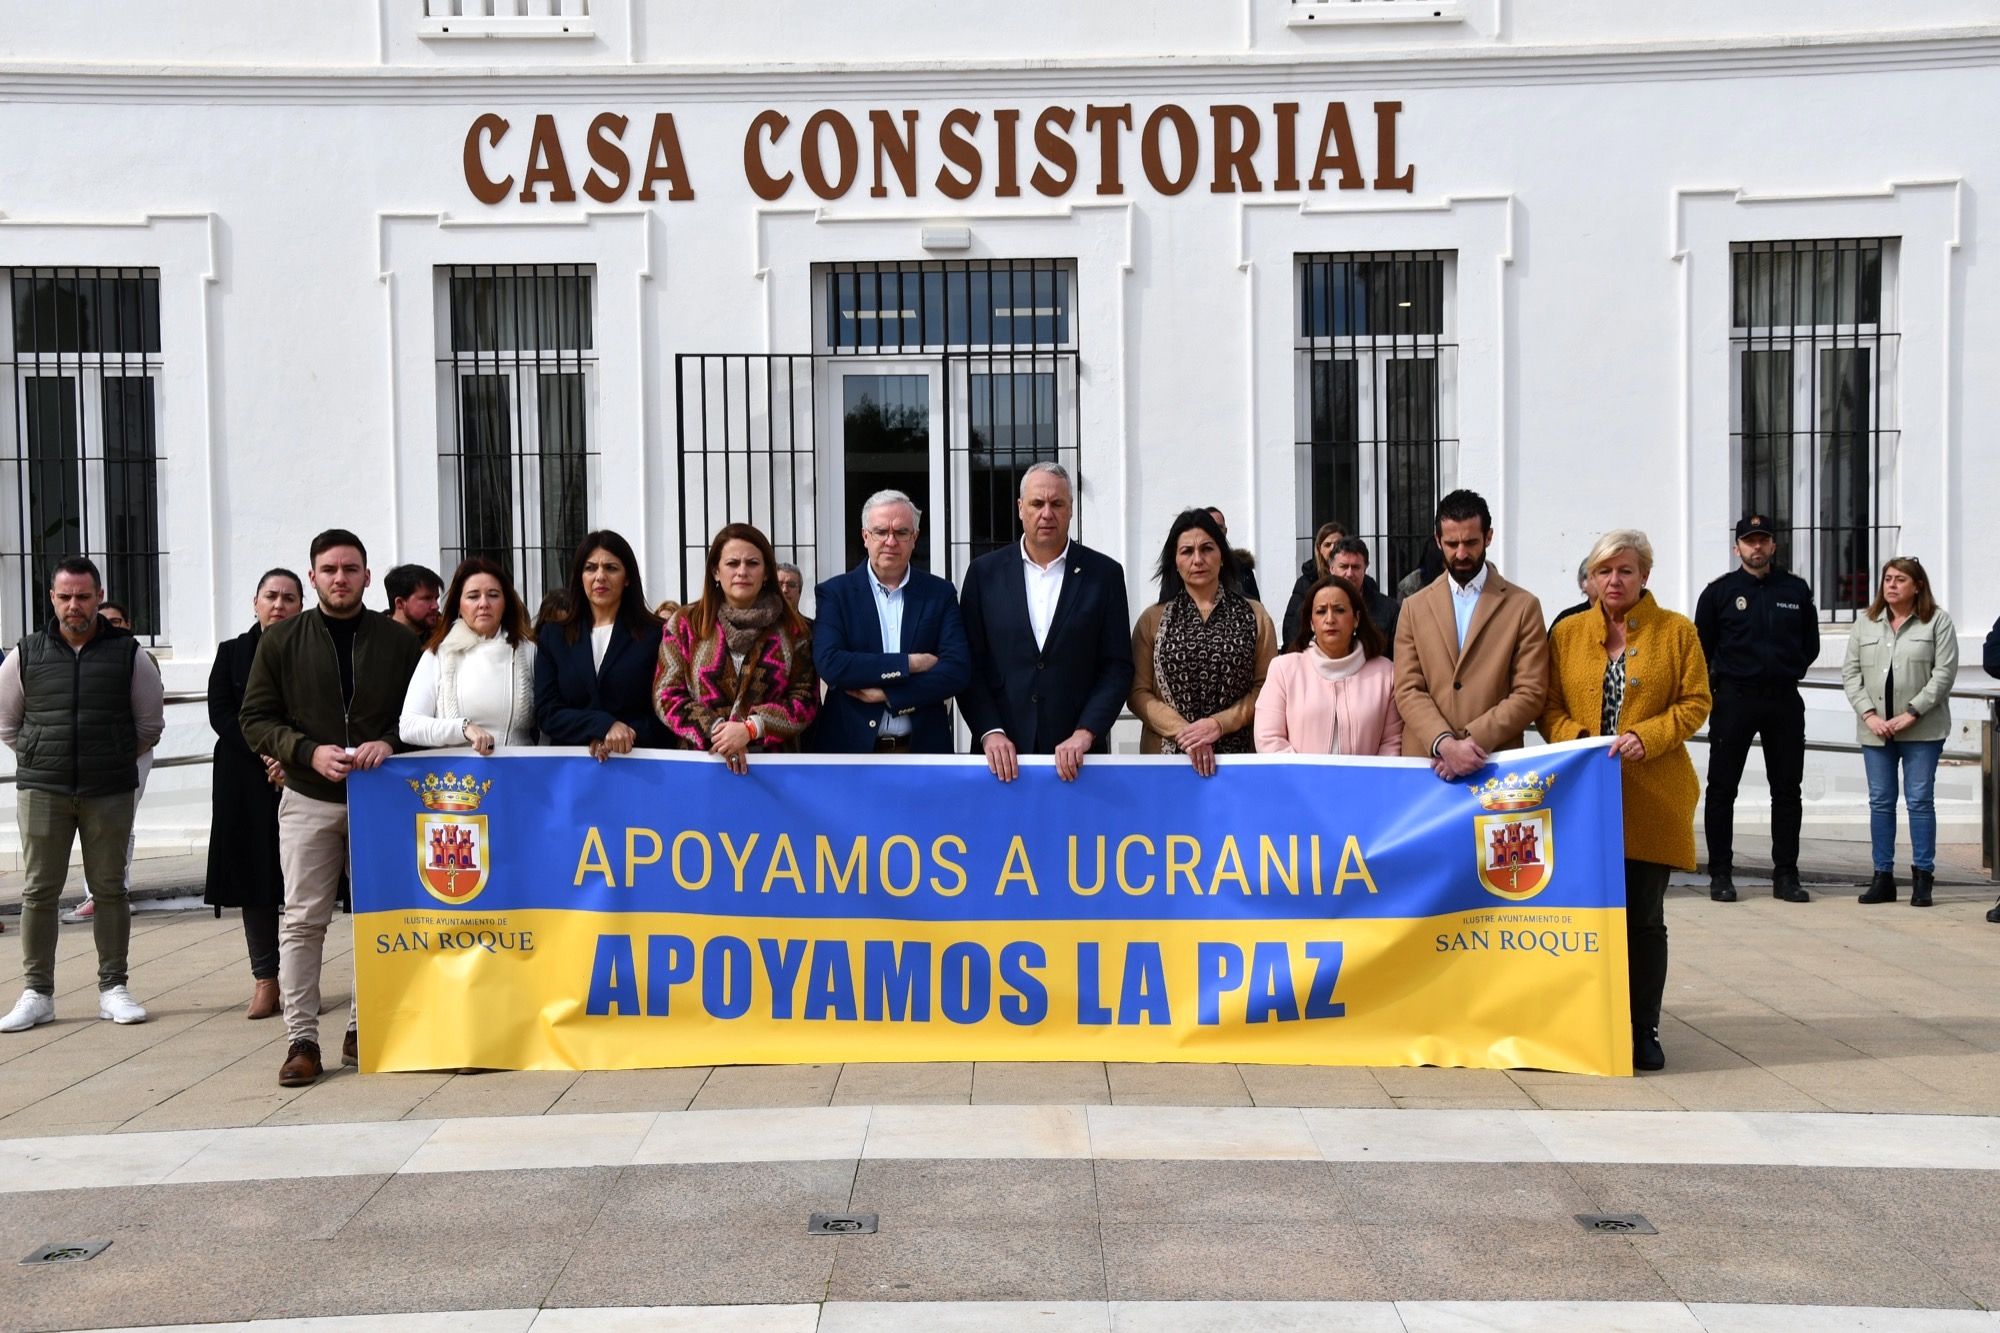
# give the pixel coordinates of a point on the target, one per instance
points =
(466, 280)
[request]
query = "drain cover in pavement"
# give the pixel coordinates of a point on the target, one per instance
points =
(1617, 1224)
(841, 1224)
(68, 1252)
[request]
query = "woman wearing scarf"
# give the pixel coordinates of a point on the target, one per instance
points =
(1334, 690)
(475, 683)
(1199, 654)
(736, 667)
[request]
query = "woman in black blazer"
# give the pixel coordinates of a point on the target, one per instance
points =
(243, 866)
(596, 656)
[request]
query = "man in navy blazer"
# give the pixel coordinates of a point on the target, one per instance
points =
(889, 644)
(1051, 639)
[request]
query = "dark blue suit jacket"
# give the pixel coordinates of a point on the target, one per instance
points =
(847, 653)
(576, 703)
(1081, 675)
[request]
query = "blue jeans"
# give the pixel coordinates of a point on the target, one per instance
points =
(1919, 761)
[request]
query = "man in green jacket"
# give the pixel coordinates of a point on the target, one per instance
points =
(324, 695)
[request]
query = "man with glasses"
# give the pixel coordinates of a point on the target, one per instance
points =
(888, 643)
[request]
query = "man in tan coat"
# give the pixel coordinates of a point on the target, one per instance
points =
(1472, 659)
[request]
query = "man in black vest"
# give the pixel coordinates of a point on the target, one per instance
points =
(79, 703)
(324, 697)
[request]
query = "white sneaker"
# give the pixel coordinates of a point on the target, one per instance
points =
(31, 1011)
(118, 1005)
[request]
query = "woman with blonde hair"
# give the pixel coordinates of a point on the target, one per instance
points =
(1902, 660)
(1632, 670)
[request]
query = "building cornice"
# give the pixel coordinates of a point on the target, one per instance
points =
(598, 83)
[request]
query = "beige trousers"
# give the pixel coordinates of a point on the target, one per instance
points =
(312, 852)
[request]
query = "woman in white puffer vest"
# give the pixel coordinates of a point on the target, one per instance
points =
(475, 683)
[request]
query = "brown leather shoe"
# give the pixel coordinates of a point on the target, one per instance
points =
(263, 998)
(350, 1048)
(302, 1067)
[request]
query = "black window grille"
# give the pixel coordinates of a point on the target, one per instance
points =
(517, 385)
(1376, 393)
(745, 445)
(81, 360)
(1003, 335)
(1814, 437)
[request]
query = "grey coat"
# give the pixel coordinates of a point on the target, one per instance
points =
(1925, 661)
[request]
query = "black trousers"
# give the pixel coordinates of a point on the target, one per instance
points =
(1779, 719)
(1646, 939)
(260, 933)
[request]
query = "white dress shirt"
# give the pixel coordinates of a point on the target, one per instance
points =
(1045, 585)
(889, 613)
(1465, 600)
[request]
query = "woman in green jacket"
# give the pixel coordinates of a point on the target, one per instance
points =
(1902, 658)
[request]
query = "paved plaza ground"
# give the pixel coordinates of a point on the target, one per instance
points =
(1821, 1152)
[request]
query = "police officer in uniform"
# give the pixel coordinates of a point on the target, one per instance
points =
(1760, 630)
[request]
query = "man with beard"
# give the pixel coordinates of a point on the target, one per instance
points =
(1472, 658)
(79, 704)
(325, 696)
(1760, 631)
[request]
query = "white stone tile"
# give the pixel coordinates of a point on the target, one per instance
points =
(1824, 1138)
(530, 1142)
(1550, 1317)
(977, 1132)
(1201, 1133)
(1366, 1135)
(965, 1317)
(1839, 1319)
(93, 1161)
(682, 1319)
(761, 1134)
(287, 1152)
(1718, 1138)
(1255, 1317)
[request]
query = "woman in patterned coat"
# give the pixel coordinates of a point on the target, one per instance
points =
(1200, 653)
(736, 667)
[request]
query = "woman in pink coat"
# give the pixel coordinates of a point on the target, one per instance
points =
(1333, 690)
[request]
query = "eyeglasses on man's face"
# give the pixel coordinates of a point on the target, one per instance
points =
(891, 534)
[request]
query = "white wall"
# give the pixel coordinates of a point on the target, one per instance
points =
(295, 214)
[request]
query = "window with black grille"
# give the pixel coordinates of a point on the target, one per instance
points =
(1814, 362)
(80, 355)
(517, 390)
(1002, 336)
(1376, 399)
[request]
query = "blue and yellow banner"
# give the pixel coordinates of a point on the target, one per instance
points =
(539, 910)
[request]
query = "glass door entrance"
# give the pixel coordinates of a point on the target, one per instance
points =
(890, 419)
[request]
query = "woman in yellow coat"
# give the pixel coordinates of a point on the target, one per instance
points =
(1634, 671)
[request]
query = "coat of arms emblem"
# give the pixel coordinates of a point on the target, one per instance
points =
(1517, 853)
(452, 853)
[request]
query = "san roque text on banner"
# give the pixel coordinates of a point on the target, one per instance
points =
(540, 910)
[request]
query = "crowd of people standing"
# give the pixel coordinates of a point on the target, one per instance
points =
(1035, 646)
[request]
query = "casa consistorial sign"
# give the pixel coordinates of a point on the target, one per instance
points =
(1096, 149)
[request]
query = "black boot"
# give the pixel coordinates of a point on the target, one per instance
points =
(1785, 887)
(1720, 889)
(1993, 913)
(1646, 1052)
(1881, 889)
(1920, 887)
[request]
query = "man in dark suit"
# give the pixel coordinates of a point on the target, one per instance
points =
(1051, 641)
(888, 643)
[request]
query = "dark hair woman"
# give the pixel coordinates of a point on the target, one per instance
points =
(736, 667)
(1316, 567)
(1902, 659)
(243, 868)
(1199, 654)
(594, 658)
(475, 683)
(1334, 690)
